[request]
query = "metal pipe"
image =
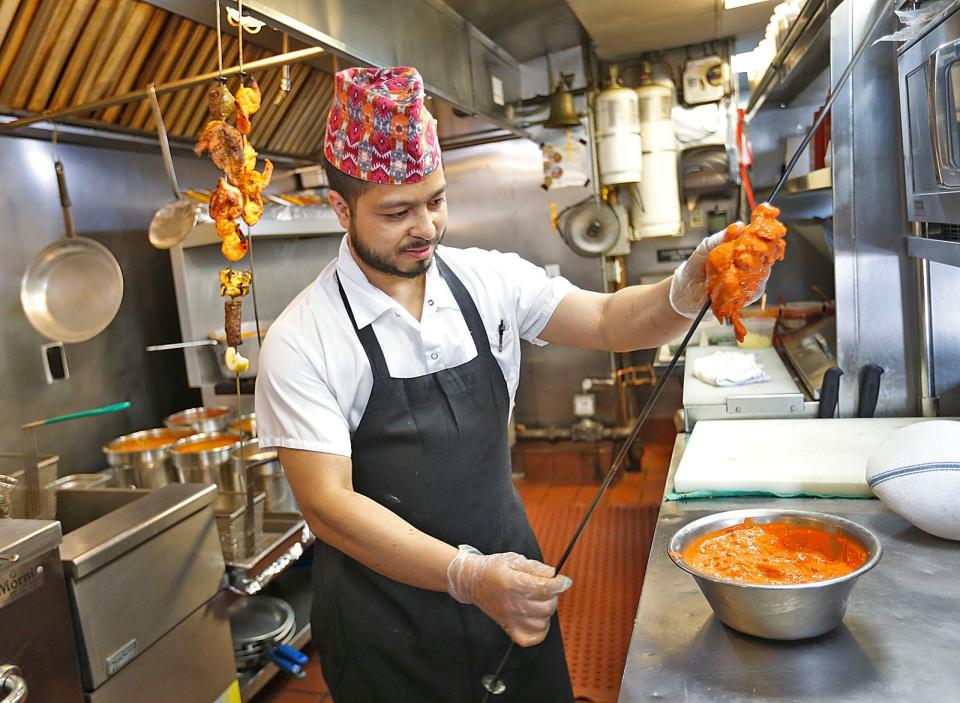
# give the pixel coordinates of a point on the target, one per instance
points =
(929, 403)
(173, 86)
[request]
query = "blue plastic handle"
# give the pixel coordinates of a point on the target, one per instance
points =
(287, 665)
(294, 655)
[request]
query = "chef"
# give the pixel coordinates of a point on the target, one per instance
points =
(387, 385)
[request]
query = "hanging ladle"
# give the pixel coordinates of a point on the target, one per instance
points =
(175, 220)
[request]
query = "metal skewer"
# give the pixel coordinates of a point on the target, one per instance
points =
(492, 682)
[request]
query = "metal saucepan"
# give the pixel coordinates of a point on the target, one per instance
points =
(175, 220)
(73, 288)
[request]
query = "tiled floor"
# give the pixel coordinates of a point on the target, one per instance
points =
(633, 490)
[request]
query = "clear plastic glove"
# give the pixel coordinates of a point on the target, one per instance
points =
(688, 290)
(519, 594)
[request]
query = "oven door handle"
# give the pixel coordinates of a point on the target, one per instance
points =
(12, 685)
(938, 91)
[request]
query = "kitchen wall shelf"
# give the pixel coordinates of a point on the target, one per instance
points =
(325, 224)
(941, 251)
(804, 54)
(819, 180)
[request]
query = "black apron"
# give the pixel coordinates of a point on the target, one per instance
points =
(434, 450)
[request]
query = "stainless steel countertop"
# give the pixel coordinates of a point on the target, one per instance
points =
(898, 642)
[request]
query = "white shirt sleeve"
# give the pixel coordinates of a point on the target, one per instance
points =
(295, 406)
(535, 295)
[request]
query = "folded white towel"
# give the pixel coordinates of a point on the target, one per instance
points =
(730, 368)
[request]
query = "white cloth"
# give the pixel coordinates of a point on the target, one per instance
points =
(726, 368)
(314, 379)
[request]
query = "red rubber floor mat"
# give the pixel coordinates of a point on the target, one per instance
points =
(607, 568)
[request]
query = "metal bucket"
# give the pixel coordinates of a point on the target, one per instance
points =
(142, 459)
(247, 423)
(213, 464)
(212, 419)
(266, 472)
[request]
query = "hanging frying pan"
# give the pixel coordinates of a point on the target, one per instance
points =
(74, 286)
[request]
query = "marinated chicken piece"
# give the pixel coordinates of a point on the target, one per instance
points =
(226, 228)
(249, 156)
(234, 246)
(737, 269)
(220, 102)
(233, 283)
(252, 210)
(226, 202)
(248, 95)
(231, 322)
(234, 361)
(225, 146)
(252, 184)
(248, 102)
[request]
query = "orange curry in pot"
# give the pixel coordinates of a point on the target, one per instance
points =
(142, 444)
(205, 445)
(775, 553)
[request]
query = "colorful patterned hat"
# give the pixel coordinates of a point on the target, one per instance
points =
(378, 129)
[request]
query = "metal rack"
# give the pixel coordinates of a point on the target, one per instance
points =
(804, 54)
(939, 250)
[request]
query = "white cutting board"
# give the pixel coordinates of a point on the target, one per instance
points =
(696, 392)
(817, 456)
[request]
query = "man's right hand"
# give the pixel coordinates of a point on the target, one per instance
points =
(519, 594)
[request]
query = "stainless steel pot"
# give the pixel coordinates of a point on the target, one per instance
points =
(247, 423)
(212, 465)
(212, 419)
(266, 472)
(149, 467)
(781, 612)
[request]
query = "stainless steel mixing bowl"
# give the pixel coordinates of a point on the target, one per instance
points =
(787, 612)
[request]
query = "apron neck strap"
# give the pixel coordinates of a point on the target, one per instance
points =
(368, 340)
(467, 308)
(371, 345)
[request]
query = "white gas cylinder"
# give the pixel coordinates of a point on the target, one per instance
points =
(619, 148)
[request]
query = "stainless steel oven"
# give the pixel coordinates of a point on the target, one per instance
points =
(929, 79)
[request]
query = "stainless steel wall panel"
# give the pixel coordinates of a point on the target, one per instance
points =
(945, 313)
(874, 279)
(115, 193)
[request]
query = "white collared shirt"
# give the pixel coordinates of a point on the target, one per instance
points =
(314, 379)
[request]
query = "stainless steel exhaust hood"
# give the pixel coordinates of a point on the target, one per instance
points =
(458, 62)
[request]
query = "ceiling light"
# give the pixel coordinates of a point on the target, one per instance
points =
(731, 4)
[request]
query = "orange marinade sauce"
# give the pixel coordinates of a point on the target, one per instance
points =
(203, 445)
(774, 553)
(142, 444)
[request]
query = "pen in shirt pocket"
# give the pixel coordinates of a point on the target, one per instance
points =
(501, 328)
